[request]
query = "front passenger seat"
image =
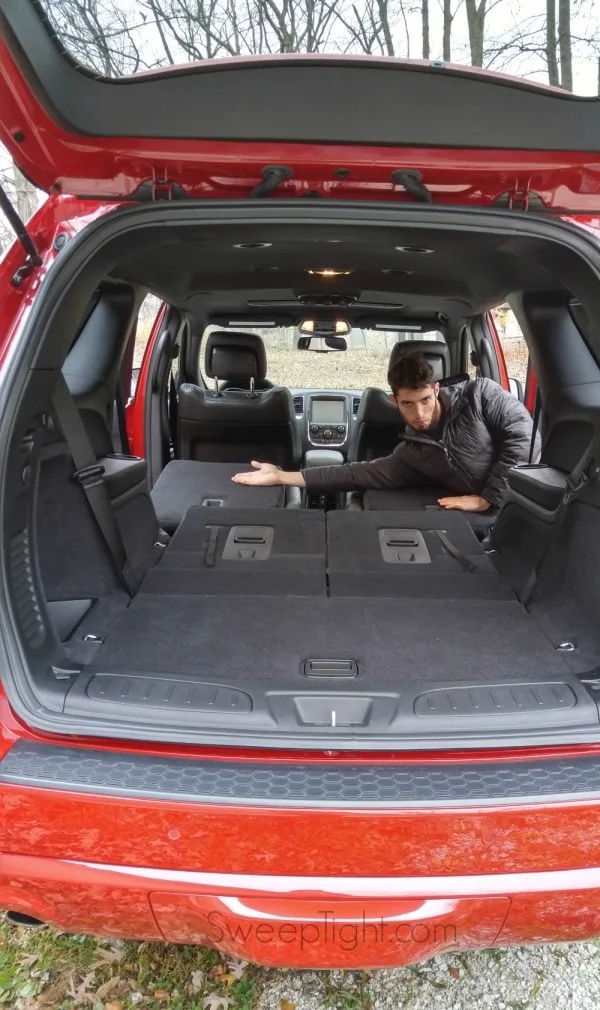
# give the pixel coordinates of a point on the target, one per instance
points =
(378, 424)
(232, 425)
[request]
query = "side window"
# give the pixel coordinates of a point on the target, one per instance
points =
(512, 341)
(473, 370)
(145, 321)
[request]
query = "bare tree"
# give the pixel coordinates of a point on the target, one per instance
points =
(26, 197)
(476, 23)
(425, 28)
(564, 43)
(551, 44)
(448, 17)
(99, 34)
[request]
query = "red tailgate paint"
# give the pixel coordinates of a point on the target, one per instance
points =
(115, 167)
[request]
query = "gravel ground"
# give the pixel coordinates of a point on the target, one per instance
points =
(557, 977)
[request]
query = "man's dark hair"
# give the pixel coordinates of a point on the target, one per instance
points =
(410, 371)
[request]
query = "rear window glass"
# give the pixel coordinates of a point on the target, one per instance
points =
(364, 363)
(114, 38)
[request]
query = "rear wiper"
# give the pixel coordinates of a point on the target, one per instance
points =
(272, 177)
(412, 180)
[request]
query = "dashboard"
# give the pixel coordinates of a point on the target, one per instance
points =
(325, 417)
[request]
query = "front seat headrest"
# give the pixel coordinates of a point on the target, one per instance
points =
(436, 353)
(235, 356)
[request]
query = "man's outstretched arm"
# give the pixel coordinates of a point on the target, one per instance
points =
(376, 475)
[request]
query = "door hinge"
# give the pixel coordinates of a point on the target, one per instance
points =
(160, 188)
(520, 198)
(32, 258)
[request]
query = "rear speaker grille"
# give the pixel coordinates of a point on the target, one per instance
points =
(24, 594)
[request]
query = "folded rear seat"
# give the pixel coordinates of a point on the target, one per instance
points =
(184, 483)
(422, 555)
(412, 498)
(272, 552)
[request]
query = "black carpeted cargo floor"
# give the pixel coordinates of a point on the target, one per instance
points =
(234, 638)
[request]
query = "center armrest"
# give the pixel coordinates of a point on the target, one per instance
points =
(322, 457)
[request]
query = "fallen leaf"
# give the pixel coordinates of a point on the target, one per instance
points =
(136, 997)
(216, 1002)
(109, 956)
(228, 978)
(79, 994)
(217, 970)
(285, 1004)
(454, 971)
(114, 1005)
(160, 994)
(109, 987)
(30, 959)
(236, 966)
(197, 979)
(53, 996)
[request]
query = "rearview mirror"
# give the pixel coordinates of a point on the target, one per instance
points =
(322, 345)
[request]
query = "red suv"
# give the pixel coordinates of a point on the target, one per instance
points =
(234, 717)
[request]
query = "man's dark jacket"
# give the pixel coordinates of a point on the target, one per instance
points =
(486, 432)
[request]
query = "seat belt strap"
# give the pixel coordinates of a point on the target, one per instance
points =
(89, 474)
(456, 554)
(121, 419)
(537, 410)
(173, 407)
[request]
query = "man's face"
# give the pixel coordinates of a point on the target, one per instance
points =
(418, 406)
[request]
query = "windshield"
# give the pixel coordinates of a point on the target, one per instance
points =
(550, 43)
(364, 363)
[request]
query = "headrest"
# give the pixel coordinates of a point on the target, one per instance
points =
(377, 408)
(235, 356)
(435, 351)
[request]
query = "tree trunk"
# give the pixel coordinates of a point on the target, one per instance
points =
(384, 18)
(26, 195)
(551, 49)
(425, 26)
(447, 43)
(476, 23)
(564, 41)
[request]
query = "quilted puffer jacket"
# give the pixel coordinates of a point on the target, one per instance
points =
(486, 432)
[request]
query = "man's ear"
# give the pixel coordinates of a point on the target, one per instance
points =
(436, 389)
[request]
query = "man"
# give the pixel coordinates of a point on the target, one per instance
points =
(464, 438)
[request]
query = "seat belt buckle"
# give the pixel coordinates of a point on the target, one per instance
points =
(88, 476)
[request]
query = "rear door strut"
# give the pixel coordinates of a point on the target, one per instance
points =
(33, 258)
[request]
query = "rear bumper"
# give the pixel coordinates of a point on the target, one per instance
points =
(305, 864)
(306, 921)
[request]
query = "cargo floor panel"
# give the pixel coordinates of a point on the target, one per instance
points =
(236, 638)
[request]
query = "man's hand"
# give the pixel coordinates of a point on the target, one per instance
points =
(465, 503)
(263, 475)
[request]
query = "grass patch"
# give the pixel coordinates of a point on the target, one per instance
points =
(46, 970)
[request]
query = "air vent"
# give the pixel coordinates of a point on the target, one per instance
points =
(299, 405)
(355, 405)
